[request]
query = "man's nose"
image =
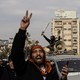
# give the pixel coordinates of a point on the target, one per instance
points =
(38, 52)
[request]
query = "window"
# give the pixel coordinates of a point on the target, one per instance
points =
(74, 22)
(58, 22)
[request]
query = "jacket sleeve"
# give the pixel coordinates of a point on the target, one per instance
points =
(17, 51)
(47, 39)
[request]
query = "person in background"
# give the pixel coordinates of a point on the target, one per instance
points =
(37, 67)
(51, 41)
(7, 71)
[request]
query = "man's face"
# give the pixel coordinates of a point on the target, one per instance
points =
(52, 37)
(11, 64)
(38, 56)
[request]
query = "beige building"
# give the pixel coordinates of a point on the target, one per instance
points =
(69, 27)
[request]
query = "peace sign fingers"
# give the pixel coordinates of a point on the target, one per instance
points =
(26, 20)
(28, 16)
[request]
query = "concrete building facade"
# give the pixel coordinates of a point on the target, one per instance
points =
(69, 27)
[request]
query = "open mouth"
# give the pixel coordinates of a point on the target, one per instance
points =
(39, 58)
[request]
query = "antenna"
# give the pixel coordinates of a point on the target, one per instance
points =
(46, 27)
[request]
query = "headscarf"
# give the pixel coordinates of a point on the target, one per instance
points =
(34, 47)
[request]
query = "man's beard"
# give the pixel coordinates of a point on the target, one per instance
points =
(37, 62)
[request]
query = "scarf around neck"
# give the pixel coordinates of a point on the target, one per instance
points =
(47, 67)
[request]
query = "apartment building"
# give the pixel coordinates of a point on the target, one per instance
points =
(69, 26)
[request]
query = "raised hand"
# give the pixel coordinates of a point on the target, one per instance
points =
(25, 21)
(42, 33)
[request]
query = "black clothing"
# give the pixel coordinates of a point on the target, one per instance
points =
(52, 41)
(1, 71)
(6, 73)
(49, 40)
(26, 70)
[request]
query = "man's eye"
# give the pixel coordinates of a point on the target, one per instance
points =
(34, 51)
(37, 51)
(41, 51)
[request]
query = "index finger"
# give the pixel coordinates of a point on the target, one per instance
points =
(30, 15)
(26, 13)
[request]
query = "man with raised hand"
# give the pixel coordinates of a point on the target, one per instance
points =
(37, 67)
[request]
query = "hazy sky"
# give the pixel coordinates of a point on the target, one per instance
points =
(12, 11)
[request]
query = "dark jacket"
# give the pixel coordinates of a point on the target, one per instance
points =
(52, 39)
(49, 40)
(26, 70)
(6, 73)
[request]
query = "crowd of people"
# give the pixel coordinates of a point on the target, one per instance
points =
(37, 67)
